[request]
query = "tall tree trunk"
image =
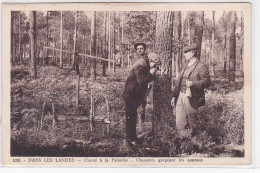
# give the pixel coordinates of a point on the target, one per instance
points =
(242, 41)
(225, 43)
(122, 20)
(93, 45)
(12, 38)
(61, 39)
(109, 40)
(33, 71)
(232, 58)
(75, 64)
(20, 40)
(45, 59)
(162, 85)
(212, 62)
(114, 41)
(104, 48)
(189, 28)
(179, 52)
(199, 31)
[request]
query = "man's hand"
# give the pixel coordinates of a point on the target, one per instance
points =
(173, 102)
(153, 71)
(189, 83)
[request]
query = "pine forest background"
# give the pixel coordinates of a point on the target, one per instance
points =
(68, 103)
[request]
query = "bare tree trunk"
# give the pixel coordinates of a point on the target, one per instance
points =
(33, 71)
(122, 20)
(232, 58)
(225, 44)
(199, 31)
(180, 37)
(104, 48)
(109, 40)
(93, 45)
(189, 32)
(162, 85)
(75, 64)
(20, 40)
(12, 39)
(212, 62)
(114, 40)
(61, 39)
(242, 42)
(45, 59)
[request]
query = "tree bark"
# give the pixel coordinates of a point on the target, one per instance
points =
(199, 31)
(75, 64)
(242, 41)
(20, 40)
(33, 71)
(179, 52)
(162, 85)
(114, 40)
(61, 39)
(232, 58)
(105, 43)
(212, 62)
(12, 39)
(93, 45)
(109, 40)
(45, 59)
(225, 44)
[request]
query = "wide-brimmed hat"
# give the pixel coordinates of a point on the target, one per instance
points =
(190, 47)
(154, 58)
(138, 44)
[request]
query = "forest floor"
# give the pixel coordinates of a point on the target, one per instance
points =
(221, 119)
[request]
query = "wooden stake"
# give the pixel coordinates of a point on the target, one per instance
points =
(77, 94)
(42, 117)
(91, 112)
(54, 119)
(108, 115)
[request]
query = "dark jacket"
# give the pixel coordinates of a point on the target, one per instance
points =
(136, 84)
(201, 80)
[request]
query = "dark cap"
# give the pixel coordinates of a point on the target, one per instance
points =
(138, 44)
(190, 48)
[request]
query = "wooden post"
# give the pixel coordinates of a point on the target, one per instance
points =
(42, 117)
(54, 119)
(77, 94)
(108, 115)
(91, 112)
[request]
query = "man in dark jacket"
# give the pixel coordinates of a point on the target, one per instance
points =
(188, 94)
(135, 89)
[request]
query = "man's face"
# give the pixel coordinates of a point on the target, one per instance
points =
(188, 55)
(140, 49)
(152, 64)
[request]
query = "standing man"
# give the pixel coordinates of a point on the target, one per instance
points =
(188, 94)
(140, 49)
(142, 72)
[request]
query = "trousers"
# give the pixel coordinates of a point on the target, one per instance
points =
(131, 107)
(186, 116)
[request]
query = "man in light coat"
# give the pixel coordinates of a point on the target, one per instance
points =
(188, 94)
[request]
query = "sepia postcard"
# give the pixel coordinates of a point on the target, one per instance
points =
(126, 84)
